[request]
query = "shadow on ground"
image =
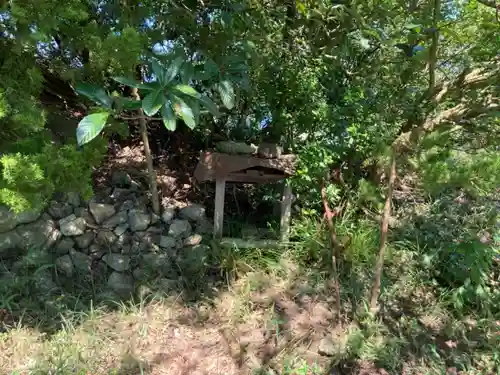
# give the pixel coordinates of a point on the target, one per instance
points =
(268, 312)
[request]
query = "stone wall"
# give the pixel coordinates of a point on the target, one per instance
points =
(113, 238)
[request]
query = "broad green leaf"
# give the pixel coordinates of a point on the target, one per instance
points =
(410, 26)
(199, 73)
(90, 127)
(211, 69)
(128, 103)
(94, 93)
(195, 108)
(226, 92)
(184, 111)
(187, 72)
(133, 83)
(236, 68)
(153, 102)
(173, 69)
(159, 71)
(226, 19)
(209, 104)
(186, 90)
(168, 117)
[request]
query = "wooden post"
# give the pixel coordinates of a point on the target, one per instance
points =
(220, 189)
(286, 211)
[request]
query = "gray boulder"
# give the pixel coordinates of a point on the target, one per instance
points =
(154, 218)
(149, 241)
(121, 229)
(155, 261)
(38, 235)
(85, 240)
(121, 283)
(115, 220)
(9, 241)
(168, 215)
(73, 199)
(52, 239)
(138, 221)
(117, 262)
(84, 213)
(72, 226)
(96, 252)
(106, 238)
(101, 211)
(127, 205)
(179, 228)
(193, 240)
(59, 210)
(168, 242)
(140, 274)
(63, 246)
(28, 217)
(120, 194)
(7, 219)
(193, 212)
(65, 265)
(81, 261)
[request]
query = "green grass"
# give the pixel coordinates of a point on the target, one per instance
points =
(269, 296)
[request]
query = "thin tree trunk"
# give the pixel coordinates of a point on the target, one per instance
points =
(153, 187)
(434, 45)
(379, 266)
(336, 247)
(383, 237)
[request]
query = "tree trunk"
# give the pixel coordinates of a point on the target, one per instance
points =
(153, 187)
(383, 237)
(434, 45)
(336, 249)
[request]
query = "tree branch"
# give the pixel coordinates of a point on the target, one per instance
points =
(434, 45)
(140, 118)
(458, 113)
(489, 3)
(337, 247)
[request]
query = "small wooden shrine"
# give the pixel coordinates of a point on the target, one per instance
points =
(246, 168)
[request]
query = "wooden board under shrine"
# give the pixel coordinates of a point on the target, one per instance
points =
(243, 168)
(219, 167)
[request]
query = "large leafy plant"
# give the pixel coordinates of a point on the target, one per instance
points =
(170, 93)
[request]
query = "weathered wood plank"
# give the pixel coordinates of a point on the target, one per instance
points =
(220, 187)
(286, 211)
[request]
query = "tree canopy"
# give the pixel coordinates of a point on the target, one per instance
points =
(336, 81)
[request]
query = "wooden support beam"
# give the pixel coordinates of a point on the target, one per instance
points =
(286, 211)
(220, 188)
(241, 243)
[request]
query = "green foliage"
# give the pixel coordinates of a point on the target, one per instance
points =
(315, 161)
(166, 95)
(477, 173)
(90, 127)
(35, 169)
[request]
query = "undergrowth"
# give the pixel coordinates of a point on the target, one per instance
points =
(437, 313)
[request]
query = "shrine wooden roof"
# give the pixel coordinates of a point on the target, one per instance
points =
(243, 168)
